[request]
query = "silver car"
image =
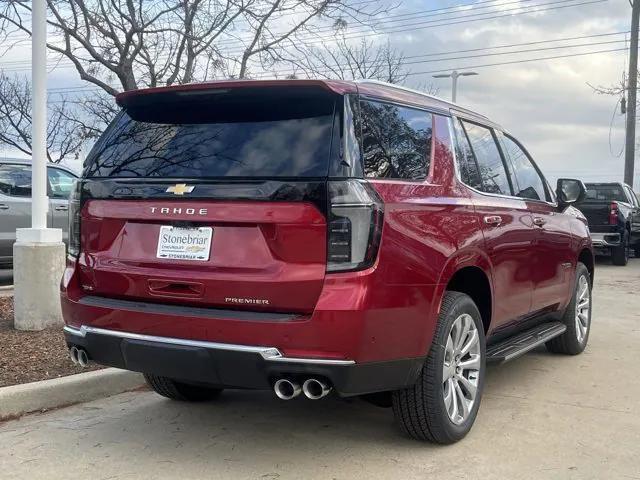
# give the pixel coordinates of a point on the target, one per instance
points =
(15, 202)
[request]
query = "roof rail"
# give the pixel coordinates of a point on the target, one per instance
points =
(453, 106)
(405, 89)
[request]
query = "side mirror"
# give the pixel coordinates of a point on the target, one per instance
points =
(570, 190)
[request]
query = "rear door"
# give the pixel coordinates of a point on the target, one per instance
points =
(506, 222)
(216, 200)
(553, 255)
(15, 205)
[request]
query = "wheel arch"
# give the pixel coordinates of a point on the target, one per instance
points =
(586, 257)
(470, 273)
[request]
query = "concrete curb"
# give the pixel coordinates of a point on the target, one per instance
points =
(58, 392)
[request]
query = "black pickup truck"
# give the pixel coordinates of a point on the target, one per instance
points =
(613, 213)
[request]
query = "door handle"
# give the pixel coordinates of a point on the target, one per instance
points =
(539, 221)
(493, 220)
(4, 207)
(62, 208)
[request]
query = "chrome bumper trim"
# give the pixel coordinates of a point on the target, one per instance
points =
(599, 240)
(269, 354)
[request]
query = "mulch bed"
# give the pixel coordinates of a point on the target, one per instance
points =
(32, 356)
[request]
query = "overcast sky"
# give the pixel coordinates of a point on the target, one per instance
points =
(548, 105)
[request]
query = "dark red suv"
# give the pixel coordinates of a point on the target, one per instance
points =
(308, 236)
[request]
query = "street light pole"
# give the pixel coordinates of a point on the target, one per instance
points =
(38, 254)
(454, 81)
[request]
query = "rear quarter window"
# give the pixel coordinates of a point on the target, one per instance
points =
(396, 141)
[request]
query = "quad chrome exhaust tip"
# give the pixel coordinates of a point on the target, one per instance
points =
(315, 389)
(79, 356)
(286, 389)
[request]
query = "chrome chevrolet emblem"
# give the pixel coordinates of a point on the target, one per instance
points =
(180, 189)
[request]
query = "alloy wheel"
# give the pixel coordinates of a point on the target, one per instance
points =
(583, 305)
(461, 368)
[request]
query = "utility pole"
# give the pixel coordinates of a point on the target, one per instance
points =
(38, 253)
(454, 81)
(630, 146)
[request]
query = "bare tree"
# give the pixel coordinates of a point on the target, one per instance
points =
(64, 135)
(351, 61)
(127, 44)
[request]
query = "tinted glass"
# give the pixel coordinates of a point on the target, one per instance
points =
(492, 171)
(607, 193)
(60, 183)
(15, 180)
(466, 161)
(528, 184)
(396, 141)
(253, 143)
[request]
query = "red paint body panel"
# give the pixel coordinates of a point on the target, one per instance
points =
(278, 250)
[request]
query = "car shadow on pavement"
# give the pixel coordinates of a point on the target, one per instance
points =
(241, 423)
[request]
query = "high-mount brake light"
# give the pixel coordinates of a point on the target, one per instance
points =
(354, 227)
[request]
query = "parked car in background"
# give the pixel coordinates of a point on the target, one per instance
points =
(613, 213)
(15, 202)
(308, 236)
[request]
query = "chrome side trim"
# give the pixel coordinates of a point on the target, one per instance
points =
(269, 354)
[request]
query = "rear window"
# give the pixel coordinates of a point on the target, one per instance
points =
(221, 134)
(606, 193)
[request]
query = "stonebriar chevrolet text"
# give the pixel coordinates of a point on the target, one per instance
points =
(321, 236)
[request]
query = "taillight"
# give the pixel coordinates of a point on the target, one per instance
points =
(74, 221)
(354, 227)
(613, 213)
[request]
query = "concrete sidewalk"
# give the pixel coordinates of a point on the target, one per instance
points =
(542, 417)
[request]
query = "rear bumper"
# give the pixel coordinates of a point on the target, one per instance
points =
(235, 366)
(605, 240)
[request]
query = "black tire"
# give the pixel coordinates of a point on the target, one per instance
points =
(620, 255)
(183, 392)
(420, 410)
(569, 343)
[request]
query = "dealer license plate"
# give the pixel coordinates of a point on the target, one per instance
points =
(181, 243)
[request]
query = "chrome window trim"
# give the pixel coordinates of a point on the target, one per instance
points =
(456, 167)
(269, 354)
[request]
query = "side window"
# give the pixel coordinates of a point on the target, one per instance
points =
(396, 141)
(493, 174)
(466, 161)
(15, 180)
(529, 183)
(60, 183)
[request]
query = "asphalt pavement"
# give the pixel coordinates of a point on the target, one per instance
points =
(543, 416)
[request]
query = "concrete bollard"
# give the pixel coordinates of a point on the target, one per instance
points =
(37, 270)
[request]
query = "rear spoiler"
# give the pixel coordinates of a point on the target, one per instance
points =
(130, 97)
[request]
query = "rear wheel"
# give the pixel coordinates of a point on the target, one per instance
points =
(620, 255)
(442, 406)
(577, 317)
(184, 392)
